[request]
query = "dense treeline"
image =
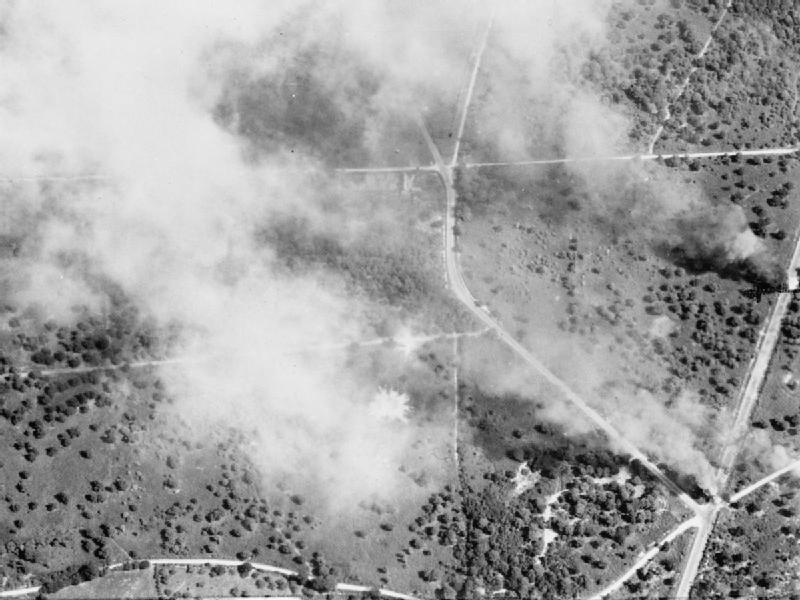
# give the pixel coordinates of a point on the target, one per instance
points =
(117, 337)
(55, 580)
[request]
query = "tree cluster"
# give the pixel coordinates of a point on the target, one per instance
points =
(55, 580)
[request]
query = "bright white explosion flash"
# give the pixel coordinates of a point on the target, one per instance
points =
(389, 405)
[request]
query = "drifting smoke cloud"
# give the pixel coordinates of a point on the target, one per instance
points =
(535, 106)
(676, 218)
(123, 91)
(527, 98)
(668, 433)
(533, 102)
(198, 117)
(719, 239)
(671, 432)
(344, 80)
(771, 456)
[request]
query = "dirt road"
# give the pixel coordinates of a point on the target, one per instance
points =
(429, 168)
(26, 591)
(467, 96)
(781, 151)
(222, 562)
(792, 466)
(695, 557)
(765, 348)
(403, 341)
(341, 587)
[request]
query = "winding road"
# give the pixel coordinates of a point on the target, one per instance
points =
(54, 178)
(459, 288)
(26, 591)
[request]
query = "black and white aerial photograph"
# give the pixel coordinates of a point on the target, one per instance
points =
(399, 300)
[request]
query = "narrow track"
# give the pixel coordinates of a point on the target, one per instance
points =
(681, 88)
(792, 466)
(780, 151)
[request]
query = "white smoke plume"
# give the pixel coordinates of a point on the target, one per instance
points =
(122, 92)
(771, 455)
(677, 433)
(670, 434)
(150, 99)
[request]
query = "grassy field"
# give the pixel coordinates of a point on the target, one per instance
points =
(215, 582)
(115, 584)
(571, 288)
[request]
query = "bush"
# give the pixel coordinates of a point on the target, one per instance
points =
(323, 583)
